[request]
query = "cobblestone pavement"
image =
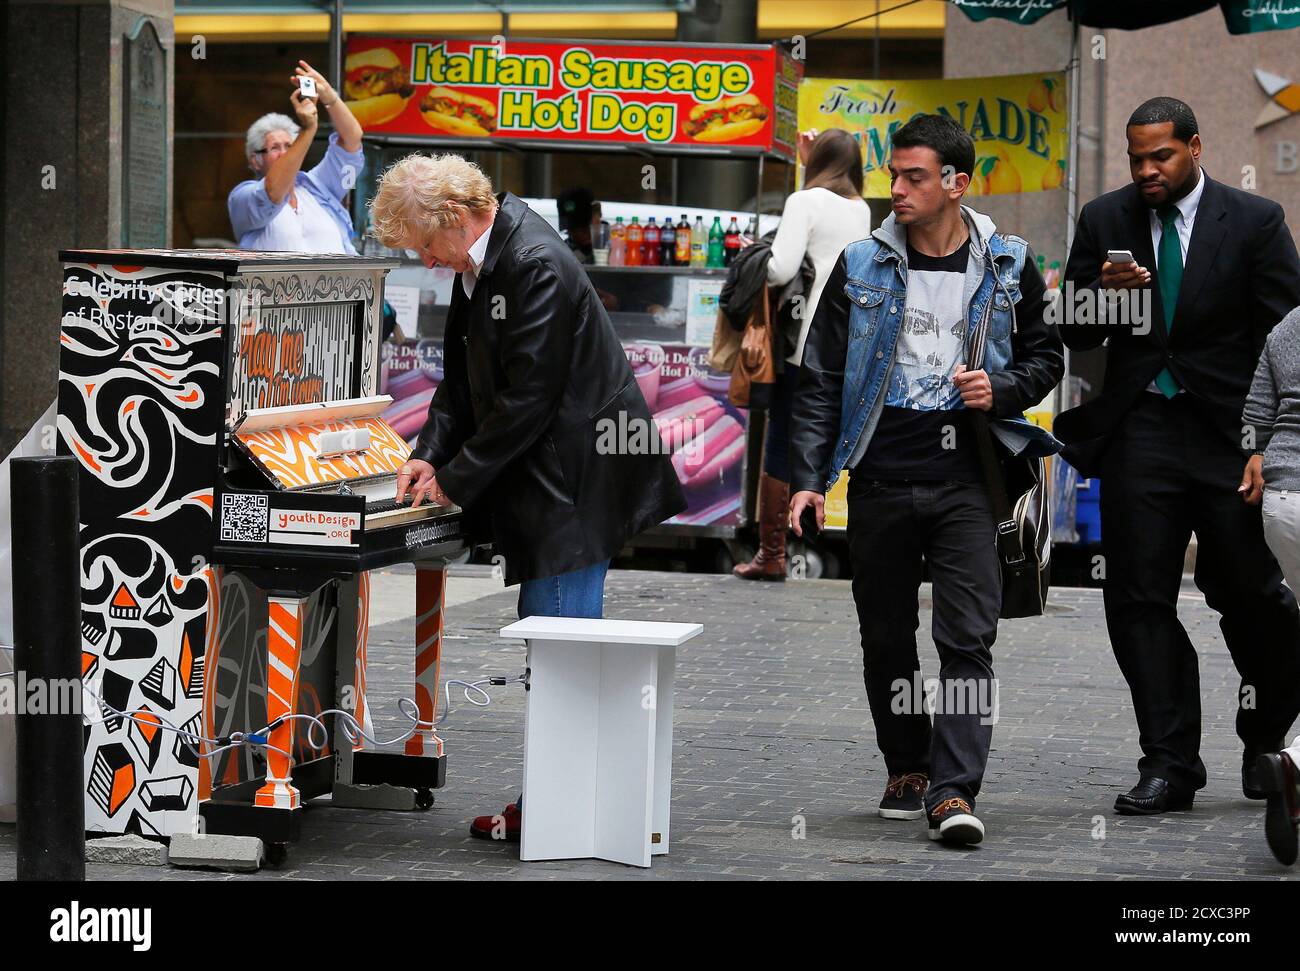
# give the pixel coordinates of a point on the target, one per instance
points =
(776, 772)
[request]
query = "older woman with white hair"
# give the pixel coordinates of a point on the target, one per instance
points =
(285, 208)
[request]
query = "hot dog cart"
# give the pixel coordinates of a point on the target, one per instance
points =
(637, 102)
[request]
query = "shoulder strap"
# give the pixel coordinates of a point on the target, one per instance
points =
(1008, 531)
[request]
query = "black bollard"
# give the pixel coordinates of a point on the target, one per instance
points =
(47, 657)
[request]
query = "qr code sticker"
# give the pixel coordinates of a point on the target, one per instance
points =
(244, 517)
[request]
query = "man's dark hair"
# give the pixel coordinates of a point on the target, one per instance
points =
(1157, 111)
(950, 140)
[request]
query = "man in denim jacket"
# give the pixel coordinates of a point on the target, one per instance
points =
(885, 393)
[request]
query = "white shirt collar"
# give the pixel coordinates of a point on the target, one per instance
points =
(478, 251)
(1189, 203)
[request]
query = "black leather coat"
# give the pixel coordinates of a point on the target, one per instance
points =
(533, 372)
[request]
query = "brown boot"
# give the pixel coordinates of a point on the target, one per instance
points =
(773, 520)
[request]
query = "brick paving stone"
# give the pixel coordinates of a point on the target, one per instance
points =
(774, 742)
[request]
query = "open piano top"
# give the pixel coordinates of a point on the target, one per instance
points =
(329, 495)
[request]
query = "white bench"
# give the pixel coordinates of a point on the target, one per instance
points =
(598, 737)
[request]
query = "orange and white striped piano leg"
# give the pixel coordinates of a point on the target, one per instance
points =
(430, 587)
(362, 712)
(283, 653)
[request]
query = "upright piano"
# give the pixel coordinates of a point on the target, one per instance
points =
(236, 486)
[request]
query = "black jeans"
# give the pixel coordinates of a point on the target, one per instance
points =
(891, 528)
(1166, 474)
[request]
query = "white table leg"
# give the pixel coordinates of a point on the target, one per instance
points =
(663, 768)
(625, 760)
(560, 751)
(583, 799)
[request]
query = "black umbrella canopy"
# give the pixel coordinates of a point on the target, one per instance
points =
(1241, 16)
(1133, 16)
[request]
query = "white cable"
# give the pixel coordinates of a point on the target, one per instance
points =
(187, 737)
(351, 728)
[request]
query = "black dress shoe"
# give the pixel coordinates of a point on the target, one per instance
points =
(1277, 773)
(1152, 796)
(1252, 783)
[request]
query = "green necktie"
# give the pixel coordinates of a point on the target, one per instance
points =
(1169, 265)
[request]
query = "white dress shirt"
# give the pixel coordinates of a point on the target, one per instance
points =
(1187, 207)
(477, 253)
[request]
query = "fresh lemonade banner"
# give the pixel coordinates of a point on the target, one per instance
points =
(1018, 122)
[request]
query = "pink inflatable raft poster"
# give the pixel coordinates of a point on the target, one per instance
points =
(702, 431)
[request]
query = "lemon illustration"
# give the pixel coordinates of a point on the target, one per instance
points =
(1046, 93)
(1040, 96)
(997, 175)
(1058, 97)
(1054, 175)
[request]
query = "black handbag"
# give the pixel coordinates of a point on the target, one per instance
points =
(1024, 530)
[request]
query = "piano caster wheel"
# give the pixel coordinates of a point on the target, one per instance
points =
(276, 853)
(424, 798)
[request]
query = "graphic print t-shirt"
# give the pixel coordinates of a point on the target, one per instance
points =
(923, 430)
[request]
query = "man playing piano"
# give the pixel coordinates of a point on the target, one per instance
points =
(533, 368)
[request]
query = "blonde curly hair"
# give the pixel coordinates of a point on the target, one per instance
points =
(423, 194)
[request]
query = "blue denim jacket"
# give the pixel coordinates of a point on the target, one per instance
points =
(877, 291)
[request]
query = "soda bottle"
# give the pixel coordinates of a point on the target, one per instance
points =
(617, 243)
(668, 242)
(683, 254)
(634, 241)
(716, 243)
(650, 244)
(731, 243)
(752, 229)
(699, 243)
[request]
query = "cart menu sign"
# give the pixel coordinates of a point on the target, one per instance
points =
(687, 97)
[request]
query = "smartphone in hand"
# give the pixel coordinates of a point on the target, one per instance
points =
(1119, 256)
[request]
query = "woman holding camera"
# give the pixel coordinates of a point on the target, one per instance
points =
(285, 208)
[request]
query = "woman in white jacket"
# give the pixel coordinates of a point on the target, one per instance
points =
(819, 220)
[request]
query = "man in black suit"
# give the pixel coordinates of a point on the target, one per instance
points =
(1216, 269)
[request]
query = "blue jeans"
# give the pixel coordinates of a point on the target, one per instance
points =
(580, 593)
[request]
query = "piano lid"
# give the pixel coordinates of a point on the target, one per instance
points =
(229, 260)
(290, 456)
(260, 419)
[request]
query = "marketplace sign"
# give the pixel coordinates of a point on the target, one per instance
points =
(714, 97)
(1018, 122)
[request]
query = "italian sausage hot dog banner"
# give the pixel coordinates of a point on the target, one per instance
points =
(685, 96)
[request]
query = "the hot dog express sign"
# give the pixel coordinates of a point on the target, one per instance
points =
(742, 97)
